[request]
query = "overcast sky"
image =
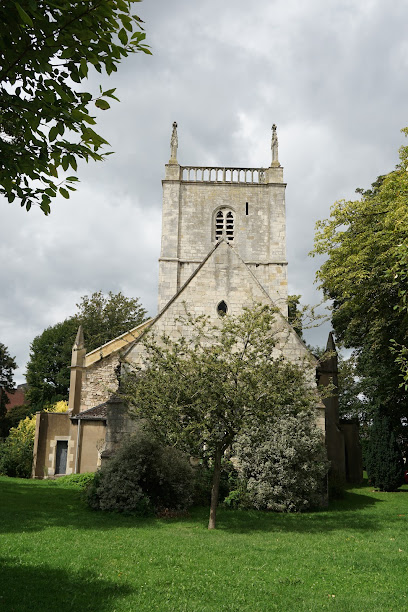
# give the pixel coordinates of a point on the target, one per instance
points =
(332, 74)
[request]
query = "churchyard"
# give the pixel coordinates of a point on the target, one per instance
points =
(59, 555)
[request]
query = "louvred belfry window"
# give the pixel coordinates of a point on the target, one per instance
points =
(219, 224)
(224, 225)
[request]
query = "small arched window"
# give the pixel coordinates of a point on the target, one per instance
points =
(222, 308)
(224, 225)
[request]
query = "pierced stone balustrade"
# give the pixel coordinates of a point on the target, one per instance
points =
(217, 174)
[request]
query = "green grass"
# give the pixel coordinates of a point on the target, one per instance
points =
(56, 555)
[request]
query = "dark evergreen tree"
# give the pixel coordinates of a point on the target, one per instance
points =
(7, 367)
(384, 459)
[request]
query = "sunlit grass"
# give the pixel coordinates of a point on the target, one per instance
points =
(58, 555)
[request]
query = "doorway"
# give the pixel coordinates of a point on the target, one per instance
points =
(61, 457)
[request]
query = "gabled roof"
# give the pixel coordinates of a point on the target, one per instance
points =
(244, 269)
(116, 344)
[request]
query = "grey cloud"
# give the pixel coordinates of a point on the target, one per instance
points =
(332, 75)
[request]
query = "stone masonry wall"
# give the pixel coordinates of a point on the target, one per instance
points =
(99, 381)
(224, 277)
(189, 210)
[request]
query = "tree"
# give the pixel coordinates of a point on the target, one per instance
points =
(102, 318)
(200, 391)
(46, 122)
(106, 317)
(48, 369)
(7, 367)
(364, 276)
(384, 459)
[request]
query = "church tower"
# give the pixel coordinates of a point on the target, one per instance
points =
(203, 205)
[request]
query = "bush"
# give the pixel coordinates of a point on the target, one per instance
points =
(143, 477)
(383, 459)
(284, 463)
(16, 458)
(16, 452)
(203, 477)
(76, 481)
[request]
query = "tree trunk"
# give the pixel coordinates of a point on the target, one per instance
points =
(215, 488)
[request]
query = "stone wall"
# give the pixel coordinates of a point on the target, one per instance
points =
(189, 209)
(224, 276)
(99, 381)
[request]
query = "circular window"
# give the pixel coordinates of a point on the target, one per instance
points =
(222, 308)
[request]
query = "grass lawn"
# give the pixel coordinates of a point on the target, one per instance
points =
(56, 555)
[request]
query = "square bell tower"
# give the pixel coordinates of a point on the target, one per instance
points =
(243, 206)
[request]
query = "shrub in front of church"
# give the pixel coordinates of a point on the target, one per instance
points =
(142, 478)
(283, 464)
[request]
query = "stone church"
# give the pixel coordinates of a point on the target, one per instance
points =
(223, 248)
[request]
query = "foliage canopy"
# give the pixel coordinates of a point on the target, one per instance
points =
(46, 122)
(201, 390)
(365, 242)
(103, 317)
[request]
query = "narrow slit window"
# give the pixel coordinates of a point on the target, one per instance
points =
(246, 208)
(229, 226)
(219, 224)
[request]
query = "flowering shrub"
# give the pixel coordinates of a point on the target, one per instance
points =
(284, 463)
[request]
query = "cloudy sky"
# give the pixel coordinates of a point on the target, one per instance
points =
(332, 74)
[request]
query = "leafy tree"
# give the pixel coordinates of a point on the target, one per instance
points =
(102, 318)
(383, 458)
(16, 414)
(46, 122)
(353, 391)
(7, 367)
(283, 464)
(365, 241)
(199, 392)
(48, 369)
(106, 317)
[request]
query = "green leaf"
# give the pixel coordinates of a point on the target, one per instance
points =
(123, 37)
(64, 193)
(73, 162)
(53, 133)
(26, 18)
(103, 104)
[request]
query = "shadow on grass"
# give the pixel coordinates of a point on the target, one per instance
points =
(37, 505)
(347, 513)
(27, 505)
(46, 589)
